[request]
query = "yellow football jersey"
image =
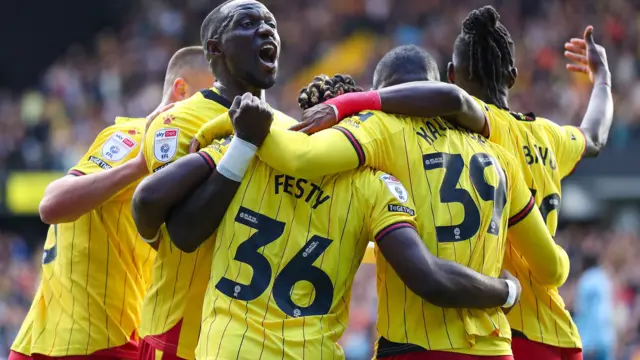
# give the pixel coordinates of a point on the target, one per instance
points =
(467, 191)
(547, 153)
(179, 280)
(285, 257)
(95, 270)
(172, 308)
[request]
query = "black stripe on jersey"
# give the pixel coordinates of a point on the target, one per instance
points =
(75, 172)
(73, 298)
(391, 228)
(86, 284)
(522, 213)
(106, 282)
(354, 142)
(208, 159)
(214, 96)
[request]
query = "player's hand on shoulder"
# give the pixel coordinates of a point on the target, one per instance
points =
(251, 118)
(505, 275)
(139, 159)
(317, 118)
(587, 57)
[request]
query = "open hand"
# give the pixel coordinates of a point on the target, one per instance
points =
(251, 118)
(587, 57)
(505, 275)
(316, 118)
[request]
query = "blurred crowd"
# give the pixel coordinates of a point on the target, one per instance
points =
(51, 125)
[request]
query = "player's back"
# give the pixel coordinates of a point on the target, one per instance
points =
(461, 193)
(546, 153)
(95, 270)
(284, 261)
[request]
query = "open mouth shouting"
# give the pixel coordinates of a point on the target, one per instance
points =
(268, 55)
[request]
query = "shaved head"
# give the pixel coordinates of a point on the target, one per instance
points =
(189, 65)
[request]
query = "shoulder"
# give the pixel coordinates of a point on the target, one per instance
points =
(373, 182)
(373, 120)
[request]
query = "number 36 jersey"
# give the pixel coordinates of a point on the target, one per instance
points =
(285, 258)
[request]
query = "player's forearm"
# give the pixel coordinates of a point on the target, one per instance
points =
(596, 122)
(193, 220)
(68, 198)
(310, 157)
(157, 194)
(440, 282)
(548, 262)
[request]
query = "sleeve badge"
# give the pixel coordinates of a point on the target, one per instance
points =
(117, 147)
(165, 144)
(396, 188)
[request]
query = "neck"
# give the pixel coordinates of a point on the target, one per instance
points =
(501, 100)
(230, 87)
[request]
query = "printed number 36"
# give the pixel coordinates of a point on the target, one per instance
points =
(300, 268)
(450, 193)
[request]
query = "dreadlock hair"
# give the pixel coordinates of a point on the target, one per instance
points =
(486, 47)
(323, 88)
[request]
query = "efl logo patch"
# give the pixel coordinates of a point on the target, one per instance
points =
(396, 188)
(165, 144)
(117, 147)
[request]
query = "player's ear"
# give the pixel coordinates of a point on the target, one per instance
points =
(214, 48)
(180, 89)
(513, 76)
(451, 73)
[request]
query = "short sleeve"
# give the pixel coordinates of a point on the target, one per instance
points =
(213, 153)
(520, 199)
(113, 146)
(162, 142)
(390, 206)
(569, 145)
(498, 127)
(369, 133)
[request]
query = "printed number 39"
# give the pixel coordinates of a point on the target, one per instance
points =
(300, 268)
(450, 193)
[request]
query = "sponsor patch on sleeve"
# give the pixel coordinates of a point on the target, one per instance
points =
(402, 209)
(165, 144)
(99, 162)
(396, 188)
(117, 147)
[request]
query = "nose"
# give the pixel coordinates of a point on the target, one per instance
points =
(265, 30)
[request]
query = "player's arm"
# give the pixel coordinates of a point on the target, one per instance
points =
(528, 234)
(591, 58)
(73, 195)
(420, 98)
(438, 281)
(159, 193)
(194, 219)
(304, 156)
(441, 282)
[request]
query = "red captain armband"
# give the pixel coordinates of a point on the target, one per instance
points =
(352, 103)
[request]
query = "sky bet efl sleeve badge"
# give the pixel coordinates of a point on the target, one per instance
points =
(117, 147)
(165, 144)
(395, 186)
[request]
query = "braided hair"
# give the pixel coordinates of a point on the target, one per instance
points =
(486, 47)
(323, 88)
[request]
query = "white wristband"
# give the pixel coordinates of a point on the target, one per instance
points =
(152, 240)
(236, 160)
(511, 299)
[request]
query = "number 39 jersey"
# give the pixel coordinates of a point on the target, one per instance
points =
(467, 191)
(285, 258)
